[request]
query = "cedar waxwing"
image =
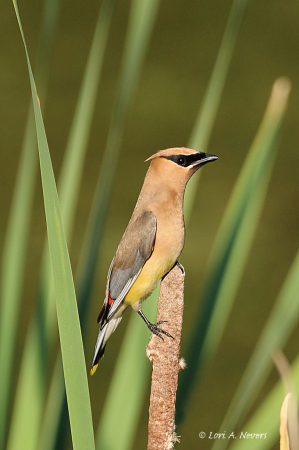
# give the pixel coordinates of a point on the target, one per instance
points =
(152, 241)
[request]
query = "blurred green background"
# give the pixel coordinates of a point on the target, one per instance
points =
(182, 52)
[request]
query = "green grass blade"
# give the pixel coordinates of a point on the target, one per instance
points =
(14, 253)
(233, 242)
(67, 313)
(202, 129)
(266, 418)
(279, 326)
(69, 186)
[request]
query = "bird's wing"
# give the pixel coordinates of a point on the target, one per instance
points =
(135, 248)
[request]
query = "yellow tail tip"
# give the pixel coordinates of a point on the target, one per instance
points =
(93, 369)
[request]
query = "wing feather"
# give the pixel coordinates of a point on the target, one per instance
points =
(135, 248)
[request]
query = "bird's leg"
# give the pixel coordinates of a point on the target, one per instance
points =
(153, 326)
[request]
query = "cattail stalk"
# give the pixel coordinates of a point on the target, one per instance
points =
(166, 362)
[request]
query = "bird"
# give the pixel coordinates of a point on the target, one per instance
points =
(151, 243)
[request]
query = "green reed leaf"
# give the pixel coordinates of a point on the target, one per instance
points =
(67, 313)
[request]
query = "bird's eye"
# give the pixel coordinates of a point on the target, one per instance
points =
(181, 161)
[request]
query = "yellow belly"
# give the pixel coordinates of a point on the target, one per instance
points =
(147, 280)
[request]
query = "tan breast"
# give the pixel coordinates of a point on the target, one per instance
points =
(168, 246)
(170, 230)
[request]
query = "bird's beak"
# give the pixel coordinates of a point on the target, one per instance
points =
(204, 160)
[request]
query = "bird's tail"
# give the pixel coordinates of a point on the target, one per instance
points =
(104, 334)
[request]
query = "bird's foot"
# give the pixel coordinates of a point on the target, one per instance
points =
(153, 327)
(157, 331)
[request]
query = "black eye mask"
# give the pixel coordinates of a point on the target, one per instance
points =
(189, 160)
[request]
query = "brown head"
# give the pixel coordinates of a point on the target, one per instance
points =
(175, 166)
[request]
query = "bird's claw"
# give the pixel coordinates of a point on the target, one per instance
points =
(161, 321)
(157, 331)
(180, 267)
